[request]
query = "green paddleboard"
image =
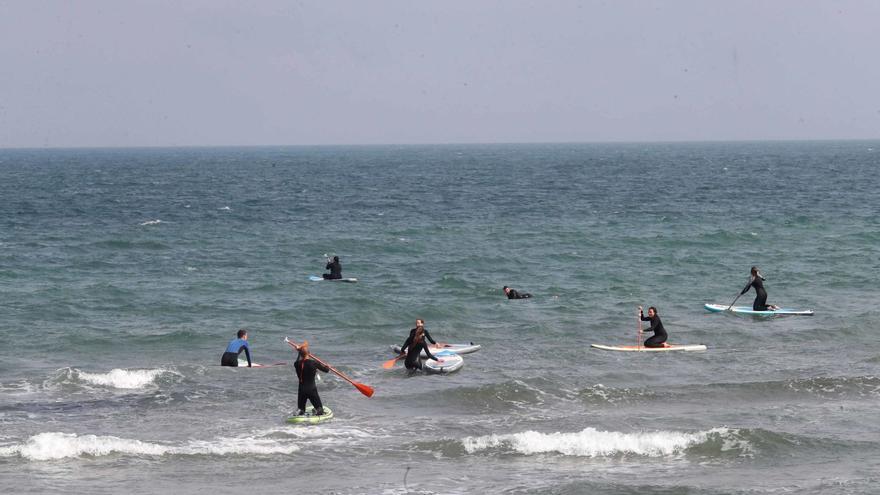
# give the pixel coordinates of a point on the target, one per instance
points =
(309, 418)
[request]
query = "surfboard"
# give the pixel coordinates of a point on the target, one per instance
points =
(435, 348)
(641, 348)
(315, 278)
(309, 417)
(243, 364)
(747, 310)
(446, 362)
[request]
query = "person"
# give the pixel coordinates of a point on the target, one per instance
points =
(420, 324)
(660, 336)
(514, 294)
(756, 280)
(240, 343)
(413, 348)
(335, 269)
(306, 369)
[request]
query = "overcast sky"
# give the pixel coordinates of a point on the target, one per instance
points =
(233, 72)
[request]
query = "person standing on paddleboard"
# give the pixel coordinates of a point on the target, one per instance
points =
(335, 268)
(306, 369)
(660, 336)
(756, 280)
(413, 348)
(230, 357)
(514, 294)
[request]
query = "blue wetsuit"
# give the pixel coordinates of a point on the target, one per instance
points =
(230, 357)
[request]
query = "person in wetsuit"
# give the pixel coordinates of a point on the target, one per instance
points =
(413, 348)
(335, 269)
(420, 323)
(514, 294)
(230, 357)
(660, 336)
(306, 369)
(756, 280)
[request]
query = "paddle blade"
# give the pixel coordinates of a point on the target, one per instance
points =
(365, 389)
(389, 364)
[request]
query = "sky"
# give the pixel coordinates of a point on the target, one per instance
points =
(95, 73)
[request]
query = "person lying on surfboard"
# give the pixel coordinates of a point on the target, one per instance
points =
(306, 369)
(335, 268)
(236, 345)
(514, 294)
(660, 336)
(756, 280)
(413, 348)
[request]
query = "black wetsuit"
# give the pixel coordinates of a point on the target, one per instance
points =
(659, 336)
(414, 353)
(335, 268)
(230, 357)
(412, 335)
(760, 303)
(513, 294)
(305, 371)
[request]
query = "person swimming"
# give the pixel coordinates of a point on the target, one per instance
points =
(660, 335)
(756, 280)
(514, 294)
(413, 348)
(306, 369)
(230, 357)
(335, 268)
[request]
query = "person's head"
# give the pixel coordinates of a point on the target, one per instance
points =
(652, 311)
(506, 289)
(754, 271)
(420, 323)
(336, 258)
(242, 334)
(303, 349)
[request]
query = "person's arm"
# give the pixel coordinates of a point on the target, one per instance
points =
(428, 336)
(406, 344)
(248, 354)
(643, 317)
(655, 321)
(428, 353)
(321, 366)
(748, 286)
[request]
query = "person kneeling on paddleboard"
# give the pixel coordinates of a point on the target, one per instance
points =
(660, 336)
(513, 294)
(756, 280)
(335, 268)
(230, 357)
(306, 369)
(413, 348)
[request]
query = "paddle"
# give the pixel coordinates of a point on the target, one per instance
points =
(734, 301)
(639, 326)
(364, 389)
(391, 362)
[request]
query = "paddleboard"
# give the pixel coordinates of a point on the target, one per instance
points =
(747, 310)
(641, 348)
(243, 364)
(455, 348)
(309, 417)
(315, 278)
(446, 362)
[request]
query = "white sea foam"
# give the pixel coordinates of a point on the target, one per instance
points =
(225, 208)
(152, 222)
(56, 445)
(590, 442)
(120, 378)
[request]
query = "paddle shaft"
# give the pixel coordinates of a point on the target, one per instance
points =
(734, 301)
(639, 326)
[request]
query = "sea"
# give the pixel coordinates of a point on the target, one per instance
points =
(124, 273)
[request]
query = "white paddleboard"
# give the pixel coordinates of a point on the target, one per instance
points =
(747, 310)
(446, 362)
(315, 278)
(455, 348)
(242, 363)
(641, 348)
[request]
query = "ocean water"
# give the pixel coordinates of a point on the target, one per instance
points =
(125, 272)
